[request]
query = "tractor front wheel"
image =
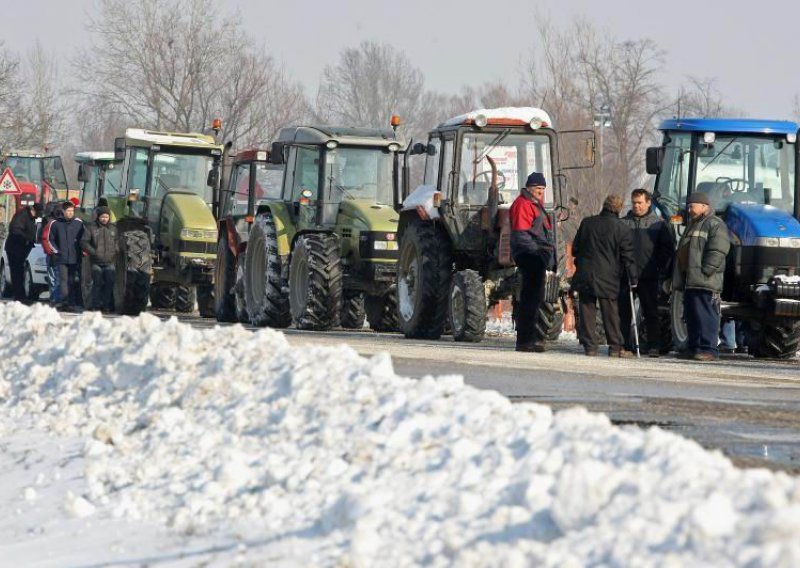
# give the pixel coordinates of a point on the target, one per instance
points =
(162, 295)
(315, 282)
(206, 305)
(185, 298)
(774, 340)
(467, 306)
(260, 290)
(353, 314)
(132, 275)
(224, 281)
(382, 311)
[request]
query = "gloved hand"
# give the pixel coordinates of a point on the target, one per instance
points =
(666, 287)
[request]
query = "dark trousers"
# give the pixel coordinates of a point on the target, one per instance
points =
(532, 269)
(701, 312)
(102, 287)
(68, 284)
(587, 331)
(16, 265)
(647, 292)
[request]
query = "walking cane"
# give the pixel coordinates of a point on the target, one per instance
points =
(633, 317)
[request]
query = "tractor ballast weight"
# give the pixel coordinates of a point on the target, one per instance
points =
(748, 169)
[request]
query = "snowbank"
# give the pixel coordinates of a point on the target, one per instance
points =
(227, 431)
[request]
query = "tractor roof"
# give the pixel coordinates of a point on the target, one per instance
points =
(83, 157)
(319, 134)
(503, 116)
(734, 125)
(141, 137)
(26, 154)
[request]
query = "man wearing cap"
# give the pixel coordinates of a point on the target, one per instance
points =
(99, 244)
(20, 240)
(534, 252)
(65, 236)
(699, 270)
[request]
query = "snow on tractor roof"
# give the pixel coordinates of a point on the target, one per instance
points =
(170, 138)
(506, 116)
(94, 157)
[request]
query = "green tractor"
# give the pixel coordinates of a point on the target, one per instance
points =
(101, 176)
(307, 231)
(167, 231)
(455, 231)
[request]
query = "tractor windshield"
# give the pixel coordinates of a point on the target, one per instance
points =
(360, 173)
(25, 169)
(184, 172)
(514, 155)
(113, 180)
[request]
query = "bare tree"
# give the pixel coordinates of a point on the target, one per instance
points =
(701, 97)
(9, 96)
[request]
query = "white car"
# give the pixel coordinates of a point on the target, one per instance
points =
(36, 278)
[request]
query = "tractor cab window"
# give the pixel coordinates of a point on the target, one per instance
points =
(514, 156)
(360, 173)
(268, 181)
(236, 202)
(446, 182)
(112, 180)
(54, 172)
(432, 163)
(184, 172)
(25, 169)
(306, 173)
(672, 185)
(746, 169)
(90, 187)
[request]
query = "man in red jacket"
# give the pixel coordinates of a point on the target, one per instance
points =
(534, 252)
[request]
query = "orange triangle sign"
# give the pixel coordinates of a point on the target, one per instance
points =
(8, 183)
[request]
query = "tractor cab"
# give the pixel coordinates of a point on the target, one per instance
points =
(748, 169)
(101, 176)
(43, 174)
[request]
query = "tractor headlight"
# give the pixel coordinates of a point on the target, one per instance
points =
(536, 123)
(385, 245)
(198, 234)
(480, 121)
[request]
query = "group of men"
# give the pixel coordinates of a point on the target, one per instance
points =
(617, 259)
(65, 240)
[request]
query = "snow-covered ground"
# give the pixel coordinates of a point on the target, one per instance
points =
(136, 441)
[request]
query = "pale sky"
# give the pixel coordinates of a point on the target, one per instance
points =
(750, 48)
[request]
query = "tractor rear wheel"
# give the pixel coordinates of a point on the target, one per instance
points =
(353, 313)
(185, 298)
(680, 333)
(224, 281)
(467, 306)
(86, 284)
(424, 272)
(774, 340)
(315, 282)
(205, 300)
(262, 286)
(132, 275)
(382, 311)
(549, 323)
(162, 295)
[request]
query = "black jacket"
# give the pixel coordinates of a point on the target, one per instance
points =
(603, 251)
(100, 241)
(65, 237)
(21, 233)
(653, 245)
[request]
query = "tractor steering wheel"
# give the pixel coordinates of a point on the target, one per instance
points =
(501, 178)
(736, 184)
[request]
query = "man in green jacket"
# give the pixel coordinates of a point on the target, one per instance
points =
(699, 269)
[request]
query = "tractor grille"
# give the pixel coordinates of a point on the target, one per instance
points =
(785, 289)
(787, 308)
(197, 247)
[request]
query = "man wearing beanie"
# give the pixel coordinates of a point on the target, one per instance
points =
(699, 270)
(99, 245)
(603, 251)
(64, 238)
(534, 252)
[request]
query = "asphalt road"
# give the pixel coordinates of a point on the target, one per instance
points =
(749, 409)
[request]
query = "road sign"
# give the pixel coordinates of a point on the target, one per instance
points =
(8, 183)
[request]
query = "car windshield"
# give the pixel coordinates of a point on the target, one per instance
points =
(515, 155)
(746, 169)
(185, 172)
(360, 173)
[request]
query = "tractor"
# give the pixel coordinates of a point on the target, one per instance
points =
(307, 231)
(167, 231)
(45, 173)
(748, 169)
(455, 231)
(101, 176)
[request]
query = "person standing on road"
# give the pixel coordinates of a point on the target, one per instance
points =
(65, 237)
(99, 244)
(19, 243)
(653, 248)
(53, 211)
(534, 252)
(699, 272)
(603, 251)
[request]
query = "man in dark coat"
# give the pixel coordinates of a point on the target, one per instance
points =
(534, 252)
(653, 250)
(699, 272)
(99, 244)
(603, 250)
(65, 237)
(19, 242)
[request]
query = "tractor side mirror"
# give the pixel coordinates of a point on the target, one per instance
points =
(277, 154)
(653, 158)
(213, 177)
(119, 149)
(430, 149)
(82, 173)
(418, 148)
(57, 163)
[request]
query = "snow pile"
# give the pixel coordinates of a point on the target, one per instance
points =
(209, 431)
(422, 197)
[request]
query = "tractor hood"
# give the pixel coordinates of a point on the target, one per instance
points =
(187, 211)
(751, 222)
(367, 215)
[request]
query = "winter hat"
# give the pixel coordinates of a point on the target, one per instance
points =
(38, 207)
(536, 179)
(698, 197)
(68, 205)
(613, 203)
(75, 201)
(103, 210)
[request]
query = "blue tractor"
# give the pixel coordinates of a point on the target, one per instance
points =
(748, 168)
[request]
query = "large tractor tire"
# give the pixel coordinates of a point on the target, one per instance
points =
(162, 295)
(224, 283)
(353, 310)
(549, 323)
(205, 301)
(5, 283)
(262, 292)
(382, 311)
(185, 299)
(467, 306)
(680, 333)
(774, 340)
(86, 284)
(424, 272)
(315, 282)
(132, 276)
(238, 291)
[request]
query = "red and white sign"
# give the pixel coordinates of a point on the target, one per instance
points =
(8, 183)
